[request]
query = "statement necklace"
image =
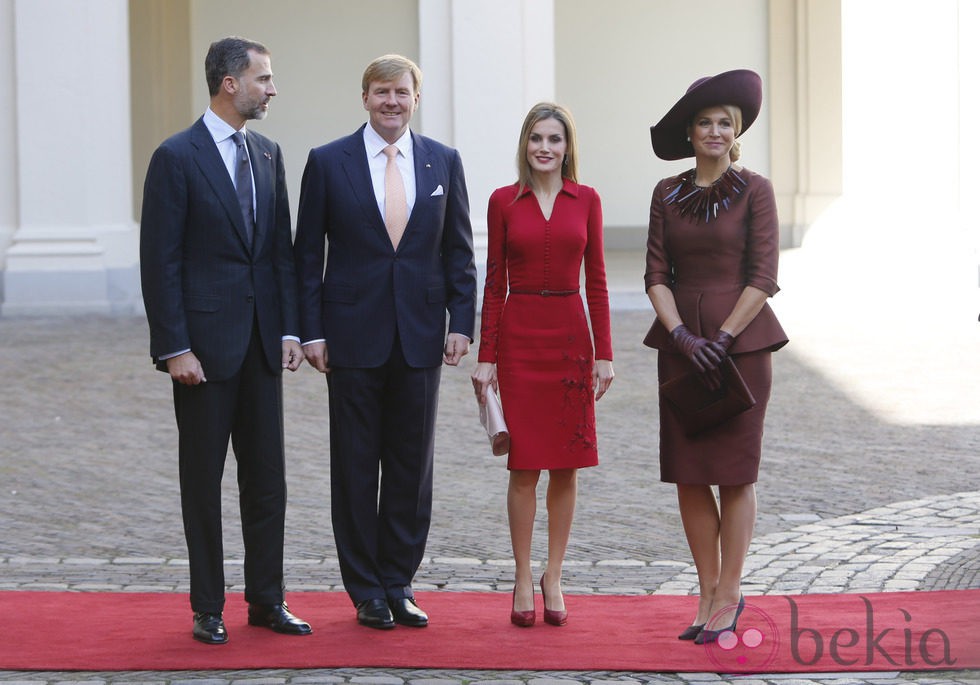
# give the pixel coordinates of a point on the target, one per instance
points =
(703, 203)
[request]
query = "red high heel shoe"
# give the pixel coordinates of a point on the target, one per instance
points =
(523, 619)
(555, 618)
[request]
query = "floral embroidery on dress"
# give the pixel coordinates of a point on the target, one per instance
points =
(578, 396)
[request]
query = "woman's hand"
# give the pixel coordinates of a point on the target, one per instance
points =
(602, 377)
(483, 375)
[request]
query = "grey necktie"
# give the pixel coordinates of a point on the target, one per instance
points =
(243, 184)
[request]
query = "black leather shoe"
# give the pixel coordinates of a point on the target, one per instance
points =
(374, 613)
(278, 618)
(209, 628)
(407, 613)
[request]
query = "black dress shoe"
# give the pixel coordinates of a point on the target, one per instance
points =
(209, 628)
(374, 613)
(407, 613)
(278, 618)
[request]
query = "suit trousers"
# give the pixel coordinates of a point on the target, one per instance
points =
(247, 408)
(381, 419)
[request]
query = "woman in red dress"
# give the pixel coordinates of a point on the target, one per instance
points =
(535, 344)
(712, 254)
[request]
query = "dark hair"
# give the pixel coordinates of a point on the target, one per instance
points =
(229, 57)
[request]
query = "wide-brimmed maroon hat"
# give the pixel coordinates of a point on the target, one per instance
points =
(740, 87)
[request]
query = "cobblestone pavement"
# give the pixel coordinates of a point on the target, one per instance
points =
(870, 478)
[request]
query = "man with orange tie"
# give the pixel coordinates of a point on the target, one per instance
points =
(393, 208)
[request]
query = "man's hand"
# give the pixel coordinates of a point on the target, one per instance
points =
(316, 355)
(457, 347)
(292, 354)
(186, 369)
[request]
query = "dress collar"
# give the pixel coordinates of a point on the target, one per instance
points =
(568, 186)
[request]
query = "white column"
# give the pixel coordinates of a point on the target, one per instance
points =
(8, 135)
(75, 248)
(484, 65)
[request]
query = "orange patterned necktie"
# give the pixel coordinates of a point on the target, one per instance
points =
(396, 207)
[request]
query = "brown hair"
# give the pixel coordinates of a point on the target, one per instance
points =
(547, 110)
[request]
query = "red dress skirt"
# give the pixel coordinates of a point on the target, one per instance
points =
(544, 370)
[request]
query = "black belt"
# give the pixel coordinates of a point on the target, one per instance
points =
(545, 293)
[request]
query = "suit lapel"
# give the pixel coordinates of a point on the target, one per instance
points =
(424, 174)
(359, 176)
(216, 174)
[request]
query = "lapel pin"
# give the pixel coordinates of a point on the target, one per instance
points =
(267, 155)
(428, 166)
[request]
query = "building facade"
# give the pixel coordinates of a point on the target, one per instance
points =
(95, 85)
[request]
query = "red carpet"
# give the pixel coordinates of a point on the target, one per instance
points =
(58, 631)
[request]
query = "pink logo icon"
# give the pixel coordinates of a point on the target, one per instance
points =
(750, 648)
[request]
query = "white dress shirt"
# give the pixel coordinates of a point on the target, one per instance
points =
(374, 144)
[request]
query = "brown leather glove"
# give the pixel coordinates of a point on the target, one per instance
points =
(721, 342)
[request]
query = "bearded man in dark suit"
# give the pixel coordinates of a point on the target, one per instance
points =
(219, 288)
(393, 208)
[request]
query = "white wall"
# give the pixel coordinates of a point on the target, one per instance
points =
(621, 64)
(319, 51)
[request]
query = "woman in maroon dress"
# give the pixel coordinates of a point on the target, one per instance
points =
(535, 344)
(712, 254)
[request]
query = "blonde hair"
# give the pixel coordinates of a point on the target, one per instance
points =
(734, 113)
(541, 111)
(390, 68)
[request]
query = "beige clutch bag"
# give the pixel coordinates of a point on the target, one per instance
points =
(492, 418)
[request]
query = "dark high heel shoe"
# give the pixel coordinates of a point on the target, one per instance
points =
(523, 619)
(555, 618)
(691, 632)
(709, 636)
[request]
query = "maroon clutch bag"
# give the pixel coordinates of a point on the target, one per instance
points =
(698, 408)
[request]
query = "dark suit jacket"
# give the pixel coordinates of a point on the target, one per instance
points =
(203, 284)
(368, 288)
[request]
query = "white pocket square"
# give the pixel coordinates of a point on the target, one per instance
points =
(438, 191)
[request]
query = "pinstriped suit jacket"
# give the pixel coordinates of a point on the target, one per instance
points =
(204, 286)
